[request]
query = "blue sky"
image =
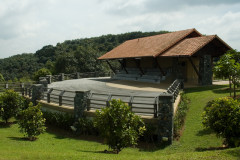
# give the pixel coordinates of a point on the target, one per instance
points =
(28, 25)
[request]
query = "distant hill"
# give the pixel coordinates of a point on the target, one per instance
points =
(77, 55)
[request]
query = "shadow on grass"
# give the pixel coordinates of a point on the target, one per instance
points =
(62, 134)
(204, 132)
(202, 149)
(7, 125)
(19, 138)
(235, 153)
(205, 88)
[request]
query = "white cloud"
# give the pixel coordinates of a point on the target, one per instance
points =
(28, 25)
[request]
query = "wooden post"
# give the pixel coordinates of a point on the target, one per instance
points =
(139, 65)
(111, 66)
(194, 67)
(159, 67)
(123, 66)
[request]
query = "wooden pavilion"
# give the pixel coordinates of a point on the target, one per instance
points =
(185, 54)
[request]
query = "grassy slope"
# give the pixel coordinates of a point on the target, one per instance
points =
(196, 143)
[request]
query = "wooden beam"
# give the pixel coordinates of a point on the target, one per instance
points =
(194, 67)
(111, 66)
(139, 65)
(159, 67)
(123, 66)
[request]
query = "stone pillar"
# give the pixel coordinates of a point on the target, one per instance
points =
(61, 77)
(49, 79)
(80, 103)
(205, 70)
(165, 118)
(37, 93)
(77, 76)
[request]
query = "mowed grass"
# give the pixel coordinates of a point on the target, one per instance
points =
(195, 143)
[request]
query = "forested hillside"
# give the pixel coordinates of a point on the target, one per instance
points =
(78, 55)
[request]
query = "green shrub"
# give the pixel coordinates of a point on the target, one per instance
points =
(180, 115)
(60, 120)
(118, 125)
(222, 115)
(84, 126)
(10, 103)
(32, 122)
(41, 73)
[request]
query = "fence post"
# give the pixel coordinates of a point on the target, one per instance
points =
(49, 79)
(22, 88)
(77, 76)
(165, 118)
(108, 99)
(48, 95)
(130, 102)
(37, 93)
(61, 77)
(6, 86)
(60, 97)
(155, 107)
(80, 103)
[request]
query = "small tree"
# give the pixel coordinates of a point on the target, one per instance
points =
(118, 125)
(10, 103)
(229, 67)
(32, 122)
(222, 115)
(41, 73)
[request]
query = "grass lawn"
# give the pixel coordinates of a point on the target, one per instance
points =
(195, 143)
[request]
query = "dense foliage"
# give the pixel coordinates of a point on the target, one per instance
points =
(1, 78)
(32, 122)
(41, 73)
(118, 125)
(222, 115)
(228, 66)
(61, 120)
(180, 115)
(10, 103)
(82, 54)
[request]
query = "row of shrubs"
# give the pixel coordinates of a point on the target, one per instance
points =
(179, 118)
(116, 123)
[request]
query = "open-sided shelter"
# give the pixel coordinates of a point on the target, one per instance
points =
(185, 54)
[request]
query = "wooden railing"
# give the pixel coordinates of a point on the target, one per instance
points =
(24, 88)
(144, 105)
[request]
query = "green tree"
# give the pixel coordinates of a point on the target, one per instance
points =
(229, 67)
(10, 103)
(1, 78)
(66, 63)
(222, 115)
(118, 125)
(32, 122)
(41, 73)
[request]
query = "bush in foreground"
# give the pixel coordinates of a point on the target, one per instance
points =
(10, 103)
(222, 115)
(118, 125)
(32, 122)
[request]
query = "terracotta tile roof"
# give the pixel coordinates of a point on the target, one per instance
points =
(180, 43)
(188, 46)
(151, 46)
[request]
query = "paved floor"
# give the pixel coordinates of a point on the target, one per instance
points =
(108, 85)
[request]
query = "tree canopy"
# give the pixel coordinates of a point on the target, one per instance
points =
(70, 56)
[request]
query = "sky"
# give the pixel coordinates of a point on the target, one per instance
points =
(28, 25)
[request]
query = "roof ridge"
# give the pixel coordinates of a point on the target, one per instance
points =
(179, 40)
